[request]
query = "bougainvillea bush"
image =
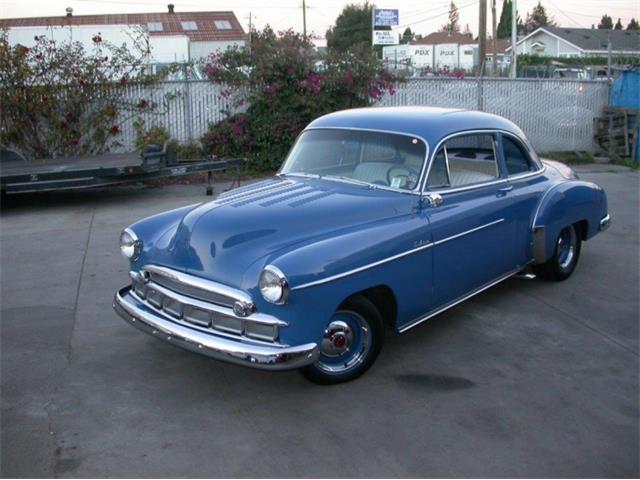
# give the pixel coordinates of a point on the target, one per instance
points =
(286, 86)
(63, 99)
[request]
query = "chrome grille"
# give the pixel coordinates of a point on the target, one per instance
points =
(201, 303)
(191, 291)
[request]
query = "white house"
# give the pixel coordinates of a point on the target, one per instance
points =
(172, 36)
(578, 42)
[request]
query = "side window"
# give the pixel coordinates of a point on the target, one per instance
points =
(438, 176)
(516, 157)
(465, 160)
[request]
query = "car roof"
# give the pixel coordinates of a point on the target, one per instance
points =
(430, 123)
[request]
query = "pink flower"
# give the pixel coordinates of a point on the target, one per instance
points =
(96, 39)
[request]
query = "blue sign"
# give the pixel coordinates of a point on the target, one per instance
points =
(383, 17)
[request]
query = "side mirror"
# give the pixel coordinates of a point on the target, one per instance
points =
(433, 199)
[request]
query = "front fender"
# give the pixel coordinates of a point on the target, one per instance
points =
(563, 204)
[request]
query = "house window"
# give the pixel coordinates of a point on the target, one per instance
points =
(189, 26)
(222, 24)
(154, 26)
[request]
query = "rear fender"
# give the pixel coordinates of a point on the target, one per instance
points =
(566, 203)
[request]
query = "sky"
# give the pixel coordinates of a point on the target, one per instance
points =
(422, 16)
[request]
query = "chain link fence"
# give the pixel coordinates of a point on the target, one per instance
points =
(556, 115)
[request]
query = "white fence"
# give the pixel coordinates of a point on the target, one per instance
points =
(556, 115)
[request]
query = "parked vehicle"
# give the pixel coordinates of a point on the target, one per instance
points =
(378, 216)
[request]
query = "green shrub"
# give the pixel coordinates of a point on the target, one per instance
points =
(286, 86)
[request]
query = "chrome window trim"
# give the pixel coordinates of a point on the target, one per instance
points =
(527, 150)
(197, 282)
(415, 191)
(478, 185)
(467, 296)
(394, 257)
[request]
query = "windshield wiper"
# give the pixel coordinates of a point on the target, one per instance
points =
(300, 174)
(349, 180)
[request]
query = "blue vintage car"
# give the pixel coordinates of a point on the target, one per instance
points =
(378, 217)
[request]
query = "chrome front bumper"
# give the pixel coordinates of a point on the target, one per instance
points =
(265, 357)
(605, 223)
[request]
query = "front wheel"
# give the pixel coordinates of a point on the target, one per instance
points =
(351, 342)
(565, 256)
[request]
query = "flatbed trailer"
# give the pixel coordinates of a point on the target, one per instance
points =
(19, 175)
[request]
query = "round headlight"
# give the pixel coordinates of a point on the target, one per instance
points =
(273, 285)
(130, 245)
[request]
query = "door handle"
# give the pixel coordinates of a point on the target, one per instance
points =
(506, 189)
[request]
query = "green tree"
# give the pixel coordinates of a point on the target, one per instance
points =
(633, 25)
(606, 23)
(407, 36)
(453, 25)
(619, 25)
(353, 27)
(538, 18)
(504, 25)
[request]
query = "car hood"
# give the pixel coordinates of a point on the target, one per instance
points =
(220, 240)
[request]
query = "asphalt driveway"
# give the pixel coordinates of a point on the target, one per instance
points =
(527, 379)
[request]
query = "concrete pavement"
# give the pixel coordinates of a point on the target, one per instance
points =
(528, 379)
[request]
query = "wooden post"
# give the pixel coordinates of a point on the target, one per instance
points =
(482, 47)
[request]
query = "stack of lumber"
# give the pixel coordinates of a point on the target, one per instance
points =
(617, 133)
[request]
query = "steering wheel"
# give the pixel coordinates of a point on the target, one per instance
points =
(411, 175)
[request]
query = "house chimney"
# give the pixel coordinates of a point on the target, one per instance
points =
(170, 7)
(69, 11)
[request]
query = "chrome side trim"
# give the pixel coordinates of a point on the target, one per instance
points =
(199, 283)
(605, 222)
(394, 257)
(266, 357)
(433, 313)
(363, 268)
(461, 234)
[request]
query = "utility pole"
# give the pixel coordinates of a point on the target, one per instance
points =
(494, 61)
(304, 18)
(250, 32)
(514, 38)
(482, 47)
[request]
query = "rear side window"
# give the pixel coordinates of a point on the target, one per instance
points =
(516, 157)
(465, 160)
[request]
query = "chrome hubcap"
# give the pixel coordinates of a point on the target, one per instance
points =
(345, 344)
(566, 247)
(338, 337)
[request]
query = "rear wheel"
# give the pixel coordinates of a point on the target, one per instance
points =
(352, 340)
(565, 256)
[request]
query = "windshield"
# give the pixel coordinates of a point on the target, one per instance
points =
(374, 158)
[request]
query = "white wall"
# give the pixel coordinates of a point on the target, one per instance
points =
(200, 50)
(116, 34)
(169, 48)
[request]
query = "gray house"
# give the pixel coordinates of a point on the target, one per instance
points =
(578, 42)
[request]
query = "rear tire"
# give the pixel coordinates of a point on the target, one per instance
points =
(353, 339)
(565, 256)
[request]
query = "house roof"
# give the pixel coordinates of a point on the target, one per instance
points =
(591, 39)
(438, 38)
(501, 46)
(172, 23)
